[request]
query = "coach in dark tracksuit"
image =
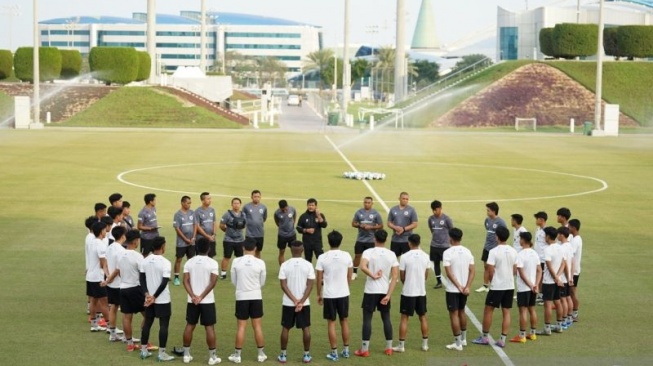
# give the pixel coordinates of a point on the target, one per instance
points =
(310, 225)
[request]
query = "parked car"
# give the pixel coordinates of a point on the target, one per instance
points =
(294, 99)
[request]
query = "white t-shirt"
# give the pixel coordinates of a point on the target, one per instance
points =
(156, 267)
(379, 259)
(248, 276)
(515, 238)
(459, 259)
(553, 254)
(113, 255)
(296, 271)
(568, 254)
(415, 263)
(335, 265)
(130, 268)
(87, 244)
(577, 245)
(95, 249)
(200, 268)
(540, 243)
(529, 261)
(503, 258)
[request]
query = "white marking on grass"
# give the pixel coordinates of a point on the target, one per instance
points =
(365, 182)
(502, 355)
(604, 184)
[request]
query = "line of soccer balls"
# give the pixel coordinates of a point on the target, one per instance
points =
(364, 175)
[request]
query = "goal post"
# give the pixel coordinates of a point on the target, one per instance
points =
(525, 124)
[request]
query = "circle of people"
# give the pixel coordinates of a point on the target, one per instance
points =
(126, 269)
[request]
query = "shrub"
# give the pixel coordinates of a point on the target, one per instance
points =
(144, 66)
(635, 40)
(6, 64)
(114, 64)
(575, 40)
(71, 64)
(546, 41)
(49, 63)
(610, 44)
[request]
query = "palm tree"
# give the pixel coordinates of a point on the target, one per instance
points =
(385, 63)
(319, 60)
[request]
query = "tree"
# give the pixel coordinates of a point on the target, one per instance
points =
(384, 68)
(49, 63)
(470, 60)
(427, 72)
(144, 66)
(327, 73)
(319, 60)
(270, 69)
(6, 64)
(546, 42)
(572, 40)
(359, 69)
(635, 41)
(114, 64)
(71, 64)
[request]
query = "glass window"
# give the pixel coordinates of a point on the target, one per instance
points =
(122, 44)
(264, 46)
(262, 35)
(508, 43)
(121, 33)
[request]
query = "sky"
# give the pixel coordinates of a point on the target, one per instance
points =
(371, 21)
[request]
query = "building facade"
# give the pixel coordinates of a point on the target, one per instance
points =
(518, 33)
(178, 37)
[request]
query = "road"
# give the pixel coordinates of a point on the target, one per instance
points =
(305, 119)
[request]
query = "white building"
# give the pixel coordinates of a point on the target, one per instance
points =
(178, 37)
(518, 32)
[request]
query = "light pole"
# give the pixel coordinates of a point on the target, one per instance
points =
(11, 11)
(335, 77)
(37, 76)
(346, 75)
(400, 49)
(203, 36)
(599, 70)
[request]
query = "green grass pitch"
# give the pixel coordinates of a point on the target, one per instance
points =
(50, 180)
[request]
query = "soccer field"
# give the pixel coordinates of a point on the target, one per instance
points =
(50, 180)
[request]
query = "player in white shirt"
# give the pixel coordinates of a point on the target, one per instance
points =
(155, 275)
(132, 298)
(200, 276)
(414, 267)
(458, 263)
(567, 279)
(114, 252)
(529, 275)
(334, 270)
(96, 270)
(540, 246)
(516, 221)
(551, 282)
(577, 245)
(296, 277)
(381, 267)
(248, 276)
(501, 265)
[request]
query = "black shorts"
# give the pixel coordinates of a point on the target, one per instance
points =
(576, 278)
(113, 295)
(399, 248)
(456, 301)
(94, 290)
(435, 254)
(337, 307)
(299, 319)
(484, 256)
(284, 241)
(187, 251)
(230, 248)
(360, 247)
(409, 305)
(550, 292)
(146, 246)
(205, 312)
(526, 298)
(564, 290)
(132, 300)
(246, 309)
(372, 302)
(259, 243)
(212, 251)
(500, 298)
(158, 311)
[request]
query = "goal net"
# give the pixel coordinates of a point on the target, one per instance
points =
(525, 124)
